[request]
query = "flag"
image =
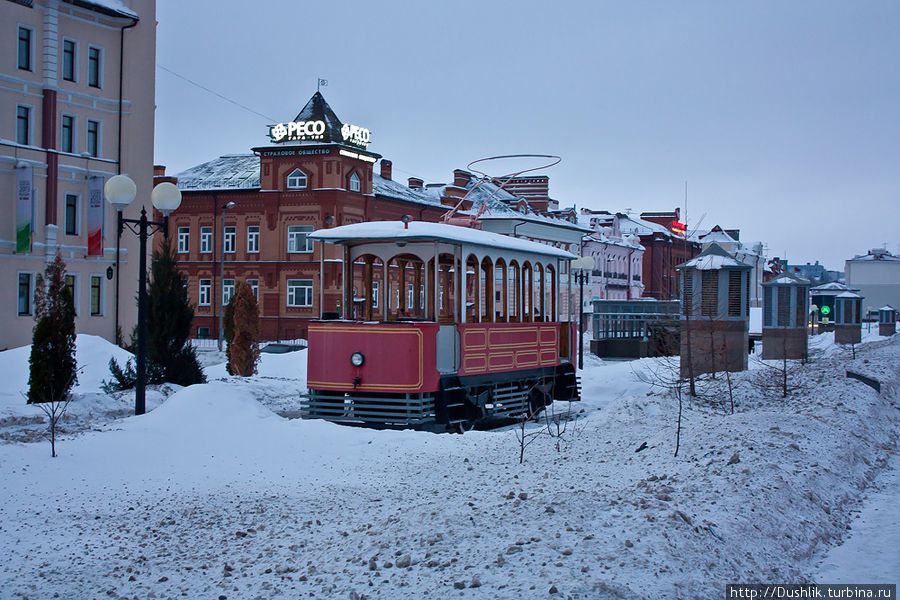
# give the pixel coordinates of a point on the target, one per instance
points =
(323, 83)
(95, 216)
(24, 209)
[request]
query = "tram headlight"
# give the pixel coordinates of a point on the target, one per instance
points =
(357, 359)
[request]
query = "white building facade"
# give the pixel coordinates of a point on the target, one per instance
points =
(67, 124)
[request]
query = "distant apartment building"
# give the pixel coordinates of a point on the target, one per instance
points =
(68, 122)
(876, 275)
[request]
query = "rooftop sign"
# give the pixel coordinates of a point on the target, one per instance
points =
(318, 130)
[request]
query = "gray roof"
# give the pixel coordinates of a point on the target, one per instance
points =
(229, 172)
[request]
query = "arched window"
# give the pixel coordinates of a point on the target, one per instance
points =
(354, 182)
(297, 180)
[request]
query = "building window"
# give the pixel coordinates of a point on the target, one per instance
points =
(203, 333)
(254, 287)
(68, 62)
(72, 286)
(229, 239)
(297, 180)
(354, 182)
(205, 290)
(298, 238)
(94, 66)
(24, 48)
(205, 240)
(67, 134)
(96, 296)
(184, 240)
(93, 138)
(23, 125)
(227, 290)
(299, 292)
(71, 214)
(25, 294)
(253, 238)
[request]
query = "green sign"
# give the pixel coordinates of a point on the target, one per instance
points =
(825, 310)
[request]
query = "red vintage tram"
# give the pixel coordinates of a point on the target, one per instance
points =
(440, 327)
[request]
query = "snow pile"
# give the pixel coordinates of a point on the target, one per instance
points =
(92, 354)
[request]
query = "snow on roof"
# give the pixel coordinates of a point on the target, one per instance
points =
(232, 171)
(833, 286)
(887, 307)
(389, 188)
(719, 237)
(424, 231)
(241, 171)
(787, 278)
(637, 226)
(714, 257)
(111, 7)
(876, 254)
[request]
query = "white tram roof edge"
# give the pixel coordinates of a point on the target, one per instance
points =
(375, 231)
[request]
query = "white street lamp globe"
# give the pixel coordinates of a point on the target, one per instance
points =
(166, 197)
(120, 190)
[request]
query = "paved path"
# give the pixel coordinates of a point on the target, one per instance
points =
(872, 552)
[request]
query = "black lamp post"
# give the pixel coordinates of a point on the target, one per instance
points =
(120, 190)
(582, 269)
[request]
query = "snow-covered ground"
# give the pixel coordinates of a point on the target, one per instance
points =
(213, 495)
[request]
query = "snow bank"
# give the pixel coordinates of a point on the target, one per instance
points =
(92, 354)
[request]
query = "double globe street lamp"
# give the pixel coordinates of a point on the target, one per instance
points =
(120, 191)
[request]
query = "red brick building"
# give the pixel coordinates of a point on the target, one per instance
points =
(317, 172)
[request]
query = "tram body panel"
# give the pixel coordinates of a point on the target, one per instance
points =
(397, 357)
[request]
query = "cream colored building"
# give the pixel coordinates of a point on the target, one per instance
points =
(67, 124)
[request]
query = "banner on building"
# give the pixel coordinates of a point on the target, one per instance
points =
(24, 209)
(95, 216)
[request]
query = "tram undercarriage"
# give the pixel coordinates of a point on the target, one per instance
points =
(459, 405)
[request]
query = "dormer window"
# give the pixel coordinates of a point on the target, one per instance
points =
(354, 182)
(297, 180)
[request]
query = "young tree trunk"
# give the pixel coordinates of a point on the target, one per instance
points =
(678, 426)
(53, 436)
(784, 377)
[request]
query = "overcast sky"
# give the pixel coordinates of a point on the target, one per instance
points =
(784, 117)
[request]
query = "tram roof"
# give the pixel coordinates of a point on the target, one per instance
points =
(421, 231)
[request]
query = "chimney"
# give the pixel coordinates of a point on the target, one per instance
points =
(386, 170)
(159, 175)
(461, 177)
(415, 183)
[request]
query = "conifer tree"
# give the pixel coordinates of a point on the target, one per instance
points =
(52, 364)
(243, 350)
(170, 356)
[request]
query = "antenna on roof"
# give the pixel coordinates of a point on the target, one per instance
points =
(504, 179)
